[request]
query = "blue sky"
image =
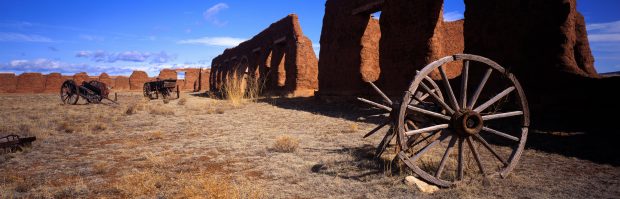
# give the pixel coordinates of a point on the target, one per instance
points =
(116, 36)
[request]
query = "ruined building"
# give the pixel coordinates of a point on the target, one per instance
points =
(280, 57)
(544, 43)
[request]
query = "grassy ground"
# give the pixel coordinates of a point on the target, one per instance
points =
(275, 148)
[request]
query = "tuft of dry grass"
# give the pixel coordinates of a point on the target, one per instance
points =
(131, 109)
(352, 128)
(161, 110)
(285, 144)
(182, 101)
(66, 127)
(97, 127)
(240, 88)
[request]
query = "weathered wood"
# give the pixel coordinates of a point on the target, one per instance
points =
(429, 113)
(385, 97)
(494, 99)
(496, 132)
(440, 101)
(375, 104)
(502, 115)
(476, 155)
(464, 77)
(445, 157)
(373, 131)
(427, 129)
(448, 87)
(483, 82)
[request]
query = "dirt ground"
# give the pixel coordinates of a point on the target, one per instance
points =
(275, 148)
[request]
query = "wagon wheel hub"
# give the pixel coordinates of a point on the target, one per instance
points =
(466, 122)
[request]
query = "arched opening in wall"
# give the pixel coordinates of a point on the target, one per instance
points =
(453, 10)
(280, 45)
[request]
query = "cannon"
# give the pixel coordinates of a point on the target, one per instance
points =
(444, 137)
(165, 88)
(92, 91)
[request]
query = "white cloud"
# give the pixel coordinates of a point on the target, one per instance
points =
(210, 14)
(91, 38)
(41, 65)
(604, 32)
(452, 16)
(18, 37)
(214, 41)
(604, 37)
(127, 56)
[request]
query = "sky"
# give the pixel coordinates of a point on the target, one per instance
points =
(116, 37)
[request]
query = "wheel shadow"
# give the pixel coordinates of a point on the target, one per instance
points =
(360, 166)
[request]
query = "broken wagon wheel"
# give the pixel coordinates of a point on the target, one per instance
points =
(466, 124)
(69, 92)
(389, 107)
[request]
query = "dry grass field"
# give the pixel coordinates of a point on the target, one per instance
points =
(199, 147)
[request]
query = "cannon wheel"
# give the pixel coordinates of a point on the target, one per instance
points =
(469, 125)
(389, 107)
(69, 92)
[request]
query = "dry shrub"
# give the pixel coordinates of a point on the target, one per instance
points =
(131, 109)
(219, 110)
(156, 135)
(352, 128)
(99, 127)
(166, 101)
(240, 88)
(161, 110)
(140, 183)
(66, 127)
(182, 101)
(210, 186)
(285, 144)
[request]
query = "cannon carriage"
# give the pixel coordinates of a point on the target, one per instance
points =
(166, 88)
(92, 91)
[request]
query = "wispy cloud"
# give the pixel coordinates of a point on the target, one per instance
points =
(91, 38)
(127, 56)
(453, 16)
(214, 41)
(604, 32)
(210, 14)
(41, 65)
(18, 37)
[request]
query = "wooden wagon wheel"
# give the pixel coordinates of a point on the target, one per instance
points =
(69, 92)
(390, 108)
(501, 118)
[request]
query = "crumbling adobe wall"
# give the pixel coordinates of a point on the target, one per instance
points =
(80, 77)
(280, 54)
(8, 83)
(355, 48)
(349, 53)
(167, 74)
(105, 78)
(545, 44)
(191, 79)
(204, 79)
(414, 34)
(53, 82)
(30, 83)
(137, 80)
(121, 83)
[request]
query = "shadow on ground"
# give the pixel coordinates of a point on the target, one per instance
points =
(597, 146)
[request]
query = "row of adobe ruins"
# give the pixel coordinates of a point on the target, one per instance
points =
(544, 43)
(195, 80)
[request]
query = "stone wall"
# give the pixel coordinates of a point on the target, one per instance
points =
(546, 45)
(8, 83)
(280, 55)
(51, 83)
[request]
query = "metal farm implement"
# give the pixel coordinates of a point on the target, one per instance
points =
(12, 143)
(93, 91)
(165, 88)
(444, 137)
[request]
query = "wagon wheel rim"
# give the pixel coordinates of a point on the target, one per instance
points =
(390, 107)
(467, 125)
(68, 93)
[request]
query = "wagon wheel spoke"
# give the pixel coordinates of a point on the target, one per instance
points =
(424, 139)
(474, 98)
(494, 99)
(385, 142)
(446, 83)
(446, 155)
(476, 155)
(459, 172)
(440, 101)
(502, 115)
(488, 147)
(427, 129)
(502, 134)
(428, 147)
(385, 97)
(464, 77)
(373, 131)
(375, 104)
(429, 113)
